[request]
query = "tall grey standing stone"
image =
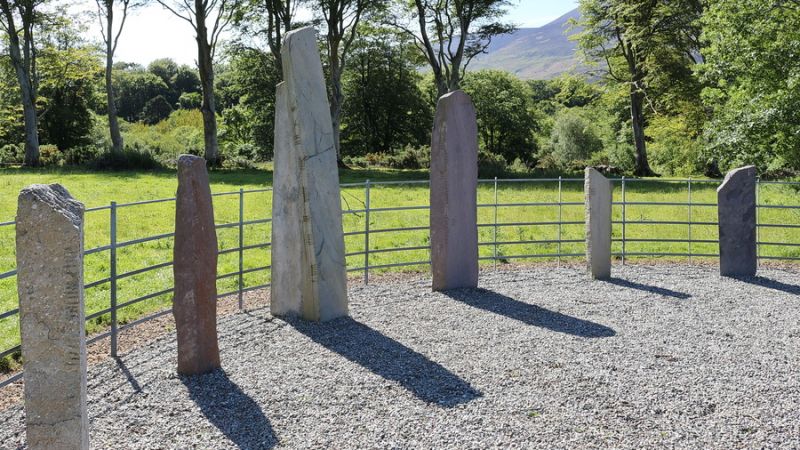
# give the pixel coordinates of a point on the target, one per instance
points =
(736, 200)
(323, 270)
(454, 184)
(194, 304)
(597, 191)
(286, 286)
(50, 288)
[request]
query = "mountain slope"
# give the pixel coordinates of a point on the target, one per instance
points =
(534, 53)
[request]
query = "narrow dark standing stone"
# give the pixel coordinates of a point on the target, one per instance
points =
(50, 287)
(195, 269)
(736, 200)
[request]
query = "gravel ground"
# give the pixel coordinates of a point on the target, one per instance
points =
(658, 357)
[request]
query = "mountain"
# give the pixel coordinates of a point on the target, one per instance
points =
(534, 53)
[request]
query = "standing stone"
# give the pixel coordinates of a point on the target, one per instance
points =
(597, 190)
(50, 288)
(194, 304)
(454, 184)
(323, 266)
(286, 286)
(736, 200)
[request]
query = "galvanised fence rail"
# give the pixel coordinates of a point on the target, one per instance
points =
(518, 219)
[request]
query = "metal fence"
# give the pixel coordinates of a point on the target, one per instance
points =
(510, 225)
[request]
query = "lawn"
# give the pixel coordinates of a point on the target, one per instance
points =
(135, 222)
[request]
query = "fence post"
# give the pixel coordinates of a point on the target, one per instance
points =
(758, 233)
(241, 248)
(366, 232)
(623, 221)
(113, 276)
(494, 234)
(689, 184)
(559, 220)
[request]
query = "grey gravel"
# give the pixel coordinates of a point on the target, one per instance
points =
(658, 357)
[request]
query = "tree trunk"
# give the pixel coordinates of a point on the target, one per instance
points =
(31, 127)
(641, 166)
(113, 123)
(27, 90)
(206, 67)
(337, 98)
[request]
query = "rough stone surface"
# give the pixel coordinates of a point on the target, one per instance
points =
(50, 287)
(454, 181)
(287, 216)
(195, 268)
(736, 199)
(666, 357)
(598, 191)
(323, 275)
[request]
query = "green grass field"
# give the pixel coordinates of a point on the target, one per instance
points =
(134, 222)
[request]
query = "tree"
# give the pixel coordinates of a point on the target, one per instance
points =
(155, 110)
(248, 92)
(752, 82)
(572, 140)
(185, 81)
(374, 118)
(341, 18)
(638, 40)
(111, 34)
(506, 121)
(198, 15)
(19, 19)
(270, 19)
(134, 88)
(451, 33)
(69, 70)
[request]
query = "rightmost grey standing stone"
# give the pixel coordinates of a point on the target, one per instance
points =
(50, 287)
(454, 191)
(597, 191)
(736, 209)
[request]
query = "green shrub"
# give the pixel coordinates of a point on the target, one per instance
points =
(85, 154)
(674, 150)
(490, 165)
(572, 141)
(190, 100)
(155, 110)
(12, 154)
(131, 158)
(50, 155)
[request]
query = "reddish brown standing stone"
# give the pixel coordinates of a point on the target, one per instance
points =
(195, 268)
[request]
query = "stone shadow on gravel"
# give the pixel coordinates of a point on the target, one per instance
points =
(530, 314)
(664, 292)
(384, 356)
(771, 284)
(231, 410)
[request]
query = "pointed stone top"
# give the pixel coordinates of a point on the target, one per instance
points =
(56, 197)
(745, 172)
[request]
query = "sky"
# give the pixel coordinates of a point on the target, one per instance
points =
(153, 32)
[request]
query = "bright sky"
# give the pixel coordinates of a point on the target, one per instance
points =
(153, 32)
